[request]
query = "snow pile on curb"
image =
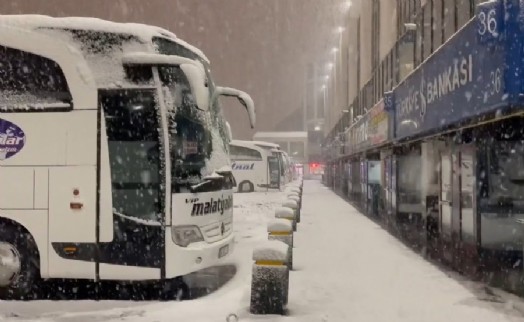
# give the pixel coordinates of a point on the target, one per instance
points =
(289, 203)
(279, 225)
(284, 212)
(273, 250)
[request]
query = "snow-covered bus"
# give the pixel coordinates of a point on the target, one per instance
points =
(109, 159)
(117, 38)
(254, 168)
(286, 167)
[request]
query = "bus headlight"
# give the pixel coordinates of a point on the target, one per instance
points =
(185, 235)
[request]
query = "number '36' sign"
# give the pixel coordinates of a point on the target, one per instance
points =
(490, 21)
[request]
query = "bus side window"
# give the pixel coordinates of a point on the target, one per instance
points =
(26, 79)
(240, 153)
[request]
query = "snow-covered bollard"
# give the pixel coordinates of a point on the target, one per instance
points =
(293, 193)
(298, 199)
(293, 188)
(293, 205)
(287, 213)
(282, 230)
(293, 196)
(270, 281)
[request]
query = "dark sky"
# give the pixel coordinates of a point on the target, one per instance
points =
(260, 46)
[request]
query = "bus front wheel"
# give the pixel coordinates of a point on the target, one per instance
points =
(18, 260)
(246, 186)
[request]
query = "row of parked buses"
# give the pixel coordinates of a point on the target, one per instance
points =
(113, 154)
(260, 166)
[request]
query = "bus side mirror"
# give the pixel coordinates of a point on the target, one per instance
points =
(229, 132)
(243, 97)
(193, 70)
(197, 81)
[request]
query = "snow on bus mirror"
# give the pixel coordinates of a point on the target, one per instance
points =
(193, 70)
(229, 131)
(197, 80)
(243, 97)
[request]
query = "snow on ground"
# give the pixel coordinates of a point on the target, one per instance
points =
(346, 269)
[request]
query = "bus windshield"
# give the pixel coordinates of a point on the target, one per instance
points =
(189, 135)
(169, 47)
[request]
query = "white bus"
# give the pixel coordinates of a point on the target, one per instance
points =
(132, 37)
(286, 168)
(294, 143)
(254, 168)
(111, 158)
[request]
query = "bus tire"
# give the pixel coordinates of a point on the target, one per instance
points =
(20, 245)
(175, 290)
(242, 186)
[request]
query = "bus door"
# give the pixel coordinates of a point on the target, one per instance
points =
(273, 172)
(132, 174)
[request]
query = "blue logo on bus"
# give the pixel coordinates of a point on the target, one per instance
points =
(243, 166)
(12, 139)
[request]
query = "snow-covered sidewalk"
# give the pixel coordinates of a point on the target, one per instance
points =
(350, 269)
(346, 268)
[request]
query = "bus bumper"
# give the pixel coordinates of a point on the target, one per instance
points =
(181, 261)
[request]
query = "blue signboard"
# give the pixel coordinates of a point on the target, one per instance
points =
(465, 77)
(360, 134)
(389, 107)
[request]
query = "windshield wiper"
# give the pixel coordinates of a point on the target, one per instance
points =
(209, 183)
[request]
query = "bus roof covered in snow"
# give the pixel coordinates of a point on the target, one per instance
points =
(145, 33)
(81, 87)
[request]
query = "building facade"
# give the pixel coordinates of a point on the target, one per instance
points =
(383, 41)
(432, 144)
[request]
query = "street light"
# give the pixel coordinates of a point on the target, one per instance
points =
(330, 66)
(346, 5)
(410, 26)
(340, 30)
(334, 49)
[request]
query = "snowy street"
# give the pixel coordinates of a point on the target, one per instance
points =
(346, 268)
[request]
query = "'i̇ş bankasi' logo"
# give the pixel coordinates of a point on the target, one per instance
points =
(12, 139)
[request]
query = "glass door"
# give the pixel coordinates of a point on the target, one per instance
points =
(273, 166)
(445, 194)
(132, 134)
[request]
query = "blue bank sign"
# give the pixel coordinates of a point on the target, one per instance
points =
(466, 77)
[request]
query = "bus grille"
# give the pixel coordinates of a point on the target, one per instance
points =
(213, 232)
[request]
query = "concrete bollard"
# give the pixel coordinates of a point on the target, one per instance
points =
(299, 203)
(288, 214)
(293, 186)
(294, 189)
(293, 192)
(282, 230)
(293, 205)
(270, 280)
(293, 196)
